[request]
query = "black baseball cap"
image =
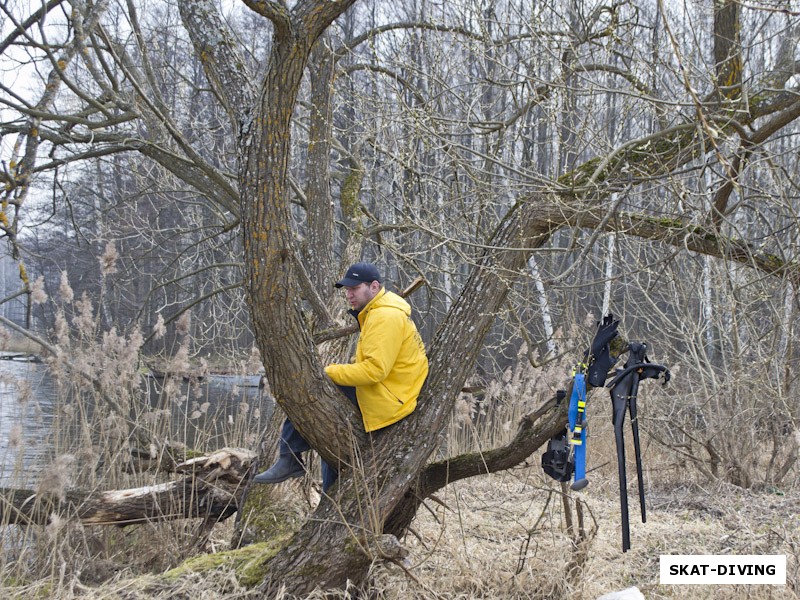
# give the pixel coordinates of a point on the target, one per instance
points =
(360, 272)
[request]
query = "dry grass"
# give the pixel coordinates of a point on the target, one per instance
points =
(480, 547)
(499, 537)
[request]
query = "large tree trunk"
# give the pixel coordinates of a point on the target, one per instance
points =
(272, 280)
(319, 208)
(337, 543)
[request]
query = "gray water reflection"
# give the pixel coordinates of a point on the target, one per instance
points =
(201, 414)
(26, 417)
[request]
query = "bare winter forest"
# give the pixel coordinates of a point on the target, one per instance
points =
(183, 181)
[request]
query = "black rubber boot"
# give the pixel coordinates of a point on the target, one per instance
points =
(287, 467)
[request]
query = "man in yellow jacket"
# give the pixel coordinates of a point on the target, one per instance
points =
(385, 378)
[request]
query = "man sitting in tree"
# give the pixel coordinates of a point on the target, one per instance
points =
(385, 378)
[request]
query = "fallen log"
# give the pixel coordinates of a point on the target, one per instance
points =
(210, 487)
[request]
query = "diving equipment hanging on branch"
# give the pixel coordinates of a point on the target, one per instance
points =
(566, 452)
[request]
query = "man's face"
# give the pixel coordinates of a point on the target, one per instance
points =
(358, 296)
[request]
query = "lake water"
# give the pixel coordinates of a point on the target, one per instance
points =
(26, 416)
(217, 410)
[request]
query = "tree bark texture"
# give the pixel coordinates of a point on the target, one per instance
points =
(319, 206)
(272, 254)
(727, 48)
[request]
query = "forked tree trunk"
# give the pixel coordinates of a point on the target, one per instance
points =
(338, 542)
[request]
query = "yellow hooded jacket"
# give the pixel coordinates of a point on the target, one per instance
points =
(390, 363)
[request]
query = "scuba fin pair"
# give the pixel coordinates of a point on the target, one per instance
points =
(624, 389)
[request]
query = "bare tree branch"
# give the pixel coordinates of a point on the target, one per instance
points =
(222, 60)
